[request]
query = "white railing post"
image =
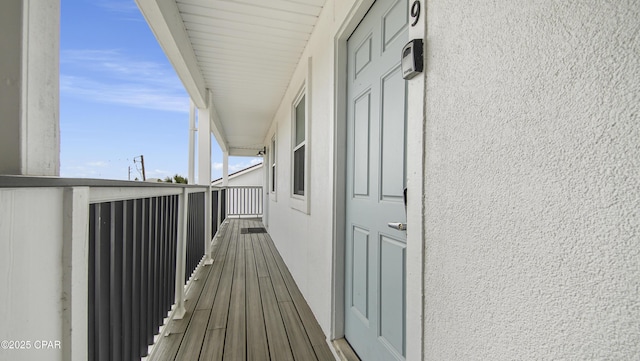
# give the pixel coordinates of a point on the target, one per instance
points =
(207, 227)
(75, 284)
(192, 143)
(219, 207)
(181, 253)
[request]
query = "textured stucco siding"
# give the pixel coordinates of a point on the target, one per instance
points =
(532, 177)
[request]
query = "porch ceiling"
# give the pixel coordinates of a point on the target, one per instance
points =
(242, 52)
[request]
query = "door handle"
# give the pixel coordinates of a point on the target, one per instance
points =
(398, 226)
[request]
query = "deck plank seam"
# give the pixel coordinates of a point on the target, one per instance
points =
(297, 298)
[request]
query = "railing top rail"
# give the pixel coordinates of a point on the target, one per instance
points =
(16, 181)
(233, 187)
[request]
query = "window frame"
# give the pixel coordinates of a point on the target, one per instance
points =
(295, 147)
(300, 202)
(273, 168)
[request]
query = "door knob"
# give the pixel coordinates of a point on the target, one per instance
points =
(398, 226)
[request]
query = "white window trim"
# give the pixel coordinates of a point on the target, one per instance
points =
(301, 202)
(273, 145)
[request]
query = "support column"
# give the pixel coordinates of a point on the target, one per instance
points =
(204, 171)
(29, 87)
(225, 169)
(204, 147)
(192, 142)
(181, 254)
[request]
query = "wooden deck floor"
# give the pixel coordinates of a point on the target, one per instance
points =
(245, 306)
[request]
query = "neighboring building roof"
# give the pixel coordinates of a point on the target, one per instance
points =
(241, 171)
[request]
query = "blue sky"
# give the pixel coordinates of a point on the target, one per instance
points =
(120, 97)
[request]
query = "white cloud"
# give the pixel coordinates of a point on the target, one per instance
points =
(127, 10)
(119, 6)
(98, 163)
(159, 173)
(110, 77)
(91, 169)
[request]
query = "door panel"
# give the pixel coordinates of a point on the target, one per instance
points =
(393, 136)
(376, 167)
(362, 122)
(360, 294)
(394, 22)
(362, 56)
(392, 295)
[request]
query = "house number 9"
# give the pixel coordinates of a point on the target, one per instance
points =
(415, 12)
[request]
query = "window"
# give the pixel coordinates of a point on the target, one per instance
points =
(300, 156)
(273, 164)
(299, 144)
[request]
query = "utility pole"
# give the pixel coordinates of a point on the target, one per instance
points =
(129, 175)
(144, 176)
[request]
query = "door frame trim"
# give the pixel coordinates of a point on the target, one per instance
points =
(415, 184)
(416, 192)
(349, 24)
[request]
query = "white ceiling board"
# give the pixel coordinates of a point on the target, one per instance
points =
(207, 48)
(200, 14)
(196, 23)
(246, 52)
(206, 6)
(205, 42)
(241, 66)
(281, 5)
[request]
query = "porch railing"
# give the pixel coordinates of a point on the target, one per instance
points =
(139, 259)
(244, 201)
(128, 249)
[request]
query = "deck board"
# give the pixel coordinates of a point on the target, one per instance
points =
(300, 344)
(279, 347)
(213, 345)
(236, 338)
(220, 308)
(174, 333)
(311, 325)
(245, 306)
(280, 288)
(257, 346)
(209, 292)
(192, 341)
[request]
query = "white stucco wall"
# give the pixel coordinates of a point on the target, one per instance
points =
(306, 240)
(532, 176)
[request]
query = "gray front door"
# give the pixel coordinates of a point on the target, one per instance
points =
(376, 169)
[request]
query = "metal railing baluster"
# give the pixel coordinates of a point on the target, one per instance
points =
(136, 278)
(102, 297)
(127, 277)
(93, 222)
(144, 274)
(115, 281)
(133, 265)
(242, 201)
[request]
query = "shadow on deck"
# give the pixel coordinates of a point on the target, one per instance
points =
(245, 306)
